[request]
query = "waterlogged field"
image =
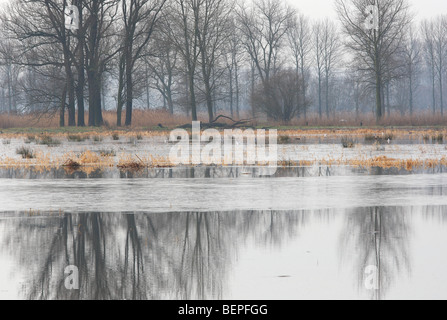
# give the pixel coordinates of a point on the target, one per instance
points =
(346, 214)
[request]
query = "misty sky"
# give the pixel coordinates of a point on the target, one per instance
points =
(325, 8)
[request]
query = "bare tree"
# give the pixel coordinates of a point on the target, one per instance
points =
(214, 33)
(277, 98)
(163, 67)
(140, 18)
(264, 28)
(440, 51)
(100, 49)
(374, 47)
(234, 59)
(182, 25)
(327, 56)
(412, 65)
(427, 28)
(300, 42)
(319, 62)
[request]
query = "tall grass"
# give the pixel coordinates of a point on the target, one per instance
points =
(141, 119)
(154, 118)
(345, 119)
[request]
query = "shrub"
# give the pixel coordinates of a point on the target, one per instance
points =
(25, 152)
(370, 137)
(30, 139)
(49, 141)
(347, 142)
(283, 139)
(438, 138)
(107, 153)
(76, 138)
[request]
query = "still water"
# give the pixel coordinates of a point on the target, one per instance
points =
(305, 233)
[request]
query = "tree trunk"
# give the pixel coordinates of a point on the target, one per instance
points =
(236, 79)
(327, 96)
(62, 108)
(91, 98)
(320, 111)
(378, 97)
(120, 102)
(441, 93)
(192, 96)
(231, 94)
(433, 91)
(70, 92)
(129, 86)
(81, 74)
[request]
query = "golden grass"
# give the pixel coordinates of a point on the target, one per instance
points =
(378, 162)
(152, 118)
(140, 119)
(90, 161)
(369, 134)
(130, 162)
(29, 120)
(349, 119)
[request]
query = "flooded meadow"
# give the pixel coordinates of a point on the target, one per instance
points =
(337, 204)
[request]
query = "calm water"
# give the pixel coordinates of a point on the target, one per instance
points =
(230, 233)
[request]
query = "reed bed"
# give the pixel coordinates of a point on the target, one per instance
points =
(377, 162)
(93, 160)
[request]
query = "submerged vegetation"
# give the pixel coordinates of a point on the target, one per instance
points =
(77, 137)
(347, 142)
(381, 153)
(48, 141)
(26, 153)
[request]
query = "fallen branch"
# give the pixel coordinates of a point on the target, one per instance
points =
(214, 124)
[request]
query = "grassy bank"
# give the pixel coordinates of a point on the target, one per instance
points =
(158, 120)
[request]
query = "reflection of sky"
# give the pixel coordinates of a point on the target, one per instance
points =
(183, 195)
(313, 263)
(304, 263)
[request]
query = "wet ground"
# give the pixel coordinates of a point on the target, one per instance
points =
(226, 232)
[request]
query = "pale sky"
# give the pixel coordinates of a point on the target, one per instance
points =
(316, 9)
(325, 8)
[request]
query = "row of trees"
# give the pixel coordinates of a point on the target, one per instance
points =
(212, 56)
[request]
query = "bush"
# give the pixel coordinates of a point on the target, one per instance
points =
(347, 143)
(26, 153)
(280, 98)
(438, 138)
(107, 153)
(283, 139)
(49, 141)
(76, 138)
(30, 139)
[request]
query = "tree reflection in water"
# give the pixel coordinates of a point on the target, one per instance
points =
(190, 255)
(140, 256)
(378, 237)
